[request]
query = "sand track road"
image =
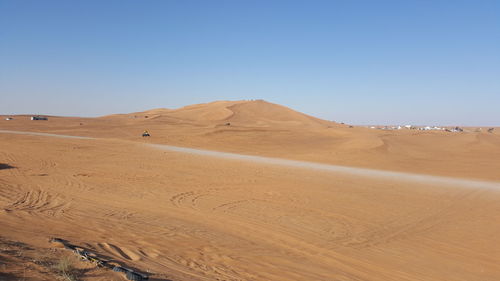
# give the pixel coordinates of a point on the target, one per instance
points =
(362, 172)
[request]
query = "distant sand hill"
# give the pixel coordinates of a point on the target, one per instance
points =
(258, 127)
(254, 113)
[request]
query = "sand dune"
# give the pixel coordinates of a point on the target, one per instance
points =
(409, 206)
(276, 131)
(257, 113)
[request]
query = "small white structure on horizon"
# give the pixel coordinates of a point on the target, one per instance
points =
(9, 118)
(429, 128)
(39, 118)
(455, 130)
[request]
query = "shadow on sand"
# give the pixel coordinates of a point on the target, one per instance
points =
(109, 262)
(5, 166)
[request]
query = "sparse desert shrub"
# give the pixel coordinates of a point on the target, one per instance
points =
(66, 269)
(68, 277)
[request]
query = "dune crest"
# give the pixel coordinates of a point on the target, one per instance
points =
(253, 113)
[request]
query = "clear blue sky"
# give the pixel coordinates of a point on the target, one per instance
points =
(361, 62)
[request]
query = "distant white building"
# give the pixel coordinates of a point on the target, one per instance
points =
(9, 118)
(39, 118)
(429, 128)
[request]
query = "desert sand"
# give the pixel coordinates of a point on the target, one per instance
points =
(182, 215)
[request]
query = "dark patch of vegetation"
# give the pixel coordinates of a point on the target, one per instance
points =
(8, 276)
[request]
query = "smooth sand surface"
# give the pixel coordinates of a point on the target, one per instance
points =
(189, 216)
(369, 173)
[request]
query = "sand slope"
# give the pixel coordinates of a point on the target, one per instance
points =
(192, 217)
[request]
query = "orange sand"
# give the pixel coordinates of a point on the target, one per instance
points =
(191, 217)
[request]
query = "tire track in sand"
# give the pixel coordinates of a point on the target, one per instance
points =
(354, 171)
(38, 202)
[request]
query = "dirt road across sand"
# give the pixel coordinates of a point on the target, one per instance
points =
(388, 175)
(45, 135)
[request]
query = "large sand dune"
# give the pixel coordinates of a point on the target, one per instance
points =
(193, 216)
